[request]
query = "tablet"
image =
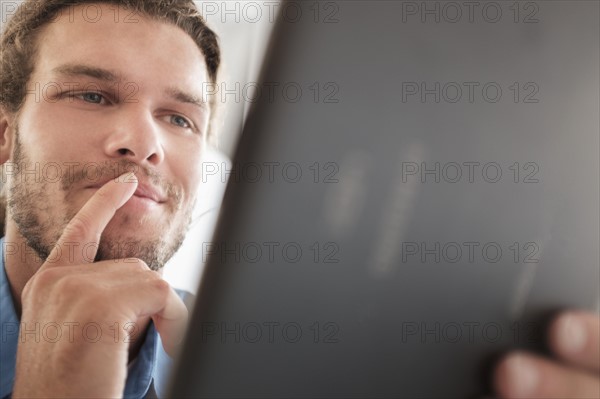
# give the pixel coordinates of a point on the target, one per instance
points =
(415, 192)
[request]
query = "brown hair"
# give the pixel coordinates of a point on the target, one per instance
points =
(18, 46)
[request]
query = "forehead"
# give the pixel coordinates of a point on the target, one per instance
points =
(142, 50)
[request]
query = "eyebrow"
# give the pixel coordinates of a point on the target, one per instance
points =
(106, 75)
(187, 98)
(73, 70)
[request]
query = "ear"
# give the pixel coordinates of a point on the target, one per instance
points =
(6, 135)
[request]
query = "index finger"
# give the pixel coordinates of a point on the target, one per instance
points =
(87, 225)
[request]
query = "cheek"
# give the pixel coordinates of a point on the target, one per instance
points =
(187, 168)
(50, 132)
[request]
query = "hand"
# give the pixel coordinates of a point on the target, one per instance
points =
(574, 337)
(95, 307)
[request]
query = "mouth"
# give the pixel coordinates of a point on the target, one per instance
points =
(148, 193)
(144, 192)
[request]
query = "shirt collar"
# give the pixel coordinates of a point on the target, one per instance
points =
(9, 331)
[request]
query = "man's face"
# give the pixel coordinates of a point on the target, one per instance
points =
(107, 97)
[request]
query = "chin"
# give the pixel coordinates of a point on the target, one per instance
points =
(154, 248)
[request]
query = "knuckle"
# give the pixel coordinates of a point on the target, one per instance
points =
(162, 287)
(58, 284)
(71, 284)
(48, 276)
(44, 279)
(102, 194)
(28, 289)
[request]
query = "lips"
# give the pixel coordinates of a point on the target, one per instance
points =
(144, 190)
(149, 192)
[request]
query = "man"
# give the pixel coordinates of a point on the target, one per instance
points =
(98, 99)
(127, 97)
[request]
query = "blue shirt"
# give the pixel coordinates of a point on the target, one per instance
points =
(148, 373)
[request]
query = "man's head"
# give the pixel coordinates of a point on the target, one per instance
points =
(90, 90)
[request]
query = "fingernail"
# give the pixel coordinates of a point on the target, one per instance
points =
(571, 332)
(523, 375)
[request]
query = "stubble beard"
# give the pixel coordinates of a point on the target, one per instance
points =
(41, 223)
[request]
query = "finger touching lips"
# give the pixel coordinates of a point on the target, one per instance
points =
(87, 225)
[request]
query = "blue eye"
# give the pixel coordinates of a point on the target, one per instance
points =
(181, 121)
(93, 98)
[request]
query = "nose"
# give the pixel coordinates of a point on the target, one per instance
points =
(135, 136)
